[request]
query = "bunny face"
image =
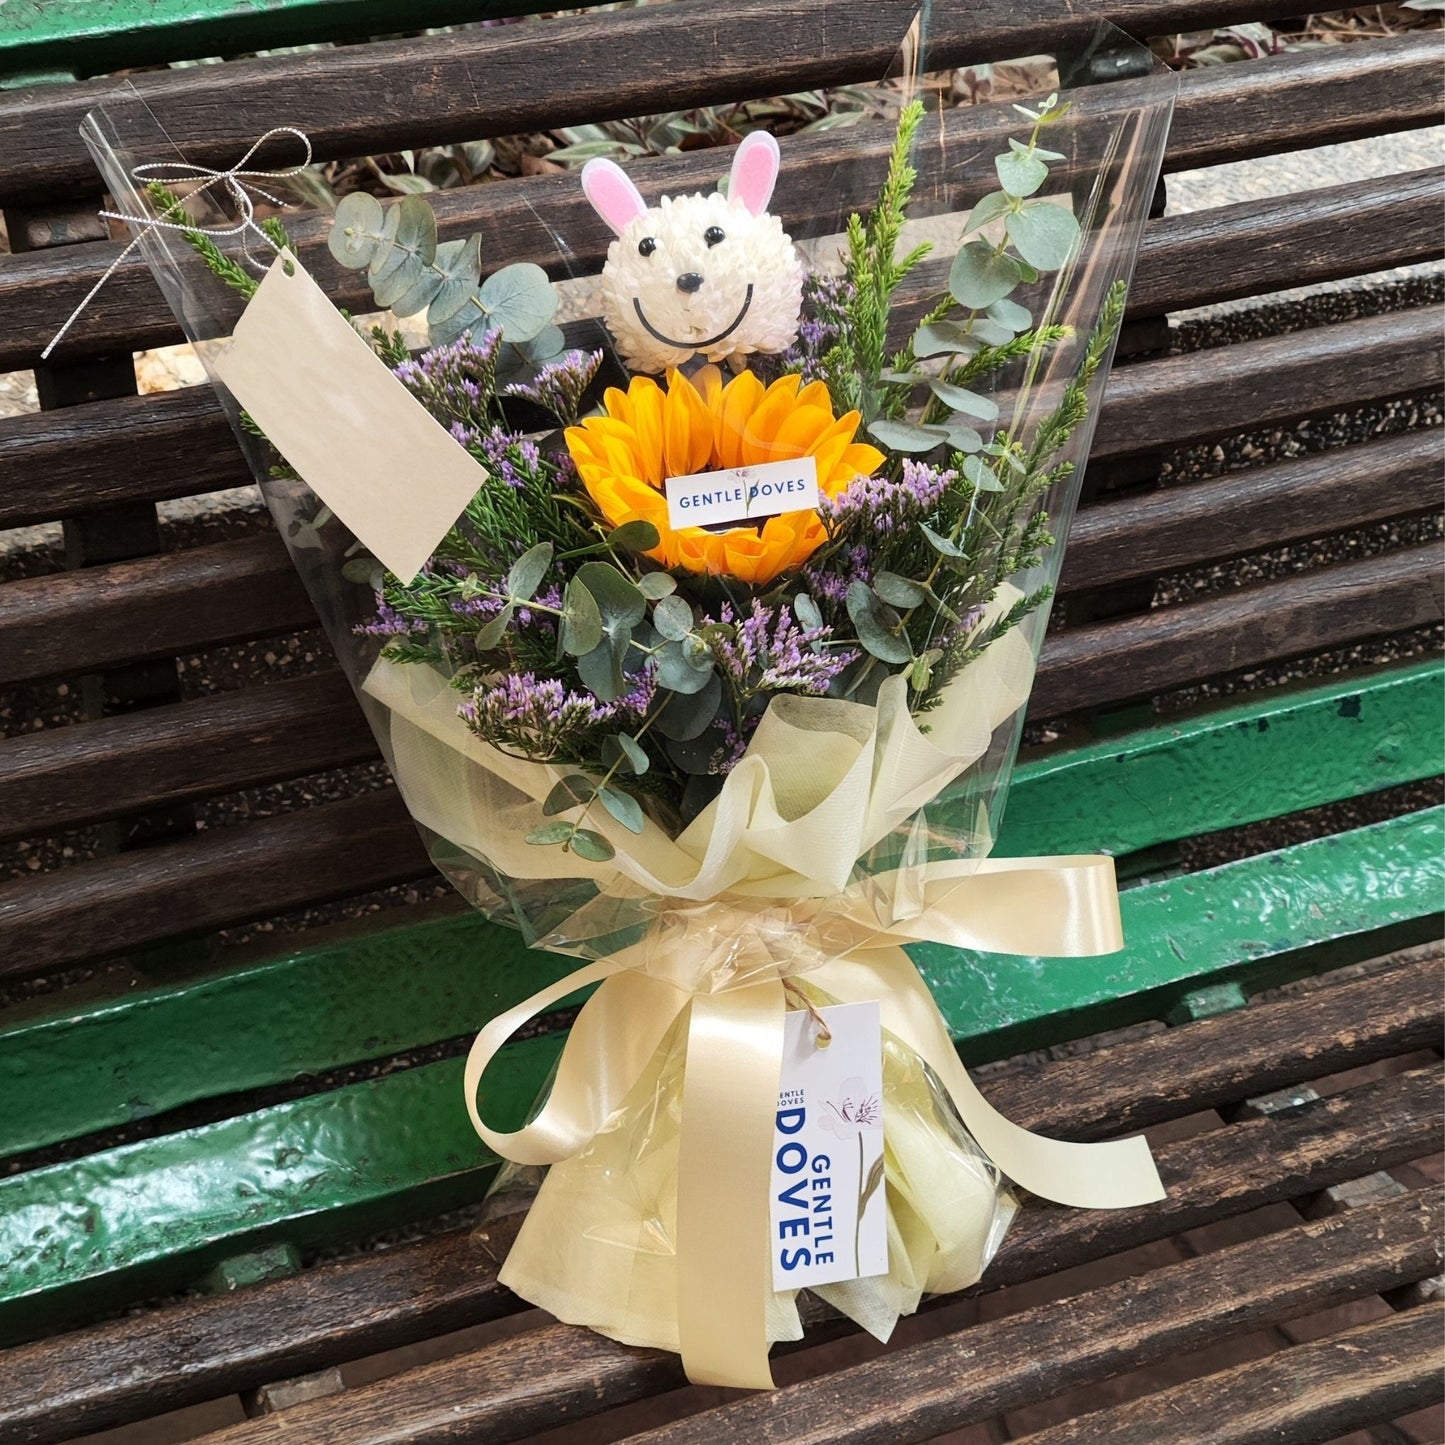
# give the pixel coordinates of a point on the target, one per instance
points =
(707, 275)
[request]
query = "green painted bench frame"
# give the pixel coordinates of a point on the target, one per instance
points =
(242, 1196)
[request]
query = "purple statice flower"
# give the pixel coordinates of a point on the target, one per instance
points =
(389, 623)
(733, 745)
(825, 306)
(455, 382)
(829, 585)
(509, 456)
(560, 385)
(876, 504)
(521, 703)
(769, 650)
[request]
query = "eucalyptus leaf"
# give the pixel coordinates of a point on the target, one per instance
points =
(980, 275)
(902, 436)
(550, 833)
(963, 438)
(939, 543)
(989, 332)
(385, 244)
(418, 296)
(401, 273)
(1020, 173)
(518, 299)
(527, 572)
(654, 585)
(1044, 233)
(676, 672)
(899, 591)
(618, 749)
(990, 208)
(872, 625)
(461, 264)
(945, 338)
(355, 230)
(601, 672)
(903, 378)
(983, 477)
(624, 807)
(635, 536)
(581, 629)
(961, 399)
(362, 569)
(1010, 314)
(672, 617)
(573, 791)
(686, 715)
(806, 611)
(591, 846)
(490, 635)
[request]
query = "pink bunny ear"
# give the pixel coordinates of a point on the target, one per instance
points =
(754, 171)
(612, 195)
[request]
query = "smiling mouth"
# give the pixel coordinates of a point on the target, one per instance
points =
(694, 345)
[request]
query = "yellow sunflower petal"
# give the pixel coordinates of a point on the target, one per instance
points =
(731, 410)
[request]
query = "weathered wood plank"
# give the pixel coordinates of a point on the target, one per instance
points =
(917, 1393)
(1321, 1391)
(503, 81)
(155, 607)
(219, 877)
(1172, 647)
(1309, 99)
(62, 777)
(200, 1348)
(1253, 509)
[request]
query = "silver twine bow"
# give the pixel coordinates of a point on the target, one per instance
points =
(239, 183)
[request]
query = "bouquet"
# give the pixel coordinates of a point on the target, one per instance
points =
(698, 644)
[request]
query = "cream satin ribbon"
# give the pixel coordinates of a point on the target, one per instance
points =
(728, 979)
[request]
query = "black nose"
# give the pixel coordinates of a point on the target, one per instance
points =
(689, 281)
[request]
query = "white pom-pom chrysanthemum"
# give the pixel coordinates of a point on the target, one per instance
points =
(703, 275)
(748, 285)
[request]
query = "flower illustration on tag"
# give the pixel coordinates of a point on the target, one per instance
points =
(851, 1115)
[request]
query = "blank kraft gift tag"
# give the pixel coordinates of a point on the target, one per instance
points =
(355, 435)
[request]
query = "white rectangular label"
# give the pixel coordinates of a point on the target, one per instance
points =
(709, 498)
(829, 1206)
(357, 437)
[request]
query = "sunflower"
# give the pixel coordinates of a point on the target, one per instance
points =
(701, 425)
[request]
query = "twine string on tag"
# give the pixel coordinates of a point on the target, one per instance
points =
(239, 184)
(802, 1001)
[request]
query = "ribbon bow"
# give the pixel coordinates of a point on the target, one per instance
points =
(726, 966)
(238, 183)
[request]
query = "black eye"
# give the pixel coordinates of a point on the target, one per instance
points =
(714, 235)
(646, 246)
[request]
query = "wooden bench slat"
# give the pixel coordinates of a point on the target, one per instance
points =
(1364, 1376)
(1253, 509)
(1172, 647)
(1309, 98)
(217, 878)
(1225, 390)
(200, 1348)
(977, 1373)
(493, 82)
(199, 597)
(328, 1003)
(63, 777)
